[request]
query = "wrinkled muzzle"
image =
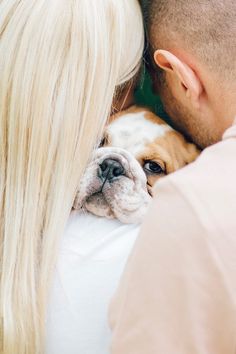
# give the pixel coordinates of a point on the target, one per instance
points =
(114, 186)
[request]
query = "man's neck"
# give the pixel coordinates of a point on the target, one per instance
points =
(225, 106)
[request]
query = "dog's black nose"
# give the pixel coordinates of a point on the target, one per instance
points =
(109, 169)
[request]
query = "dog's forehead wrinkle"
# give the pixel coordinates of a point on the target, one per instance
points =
(139, 130)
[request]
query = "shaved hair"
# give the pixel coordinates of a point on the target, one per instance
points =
(205, 28)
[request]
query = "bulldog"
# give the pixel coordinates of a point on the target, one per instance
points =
(137, 150)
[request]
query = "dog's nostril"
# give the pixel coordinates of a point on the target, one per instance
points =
(118, 171)
(103, 166)
(110, 169)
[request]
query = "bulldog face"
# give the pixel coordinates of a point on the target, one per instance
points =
(138, 149)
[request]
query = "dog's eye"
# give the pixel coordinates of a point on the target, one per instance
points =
(153, 167)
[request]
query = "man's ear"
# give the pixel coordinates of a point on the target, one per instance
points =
(189, 81)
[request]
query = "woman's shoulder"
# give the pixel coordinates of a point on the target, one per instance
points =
(96, 237)
(93, 253)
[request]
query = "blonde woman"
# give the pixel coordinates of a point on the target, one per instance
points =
(60, 64)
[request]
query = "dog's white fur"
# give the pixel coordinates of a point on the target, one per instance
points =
(132, 137)
(126, 198)
(132, 132)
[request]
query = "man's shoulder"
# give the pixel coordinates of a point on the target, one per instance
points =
(215, 168)
(208, 185)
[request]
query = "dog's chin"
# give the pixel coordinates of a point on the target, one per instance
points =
(97, 205)
(121, 200)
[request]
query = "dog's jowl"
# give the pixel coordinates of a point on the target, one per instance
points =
(138, 149)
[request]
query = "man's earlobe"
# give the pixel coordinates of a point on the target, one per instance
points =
(188, 79)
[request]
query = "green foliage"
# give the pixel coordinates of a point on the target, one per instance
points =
(145, 96)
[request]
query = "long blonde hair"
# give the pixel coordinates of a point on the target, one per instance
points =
(60, 62)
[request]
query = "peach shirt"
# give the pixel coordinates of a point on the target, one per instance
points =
(178, 293)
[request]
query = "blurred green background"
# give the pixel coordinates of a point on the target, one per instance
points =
(144, 96)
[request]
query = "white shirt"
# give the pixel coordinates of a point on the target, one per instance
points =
(92, 256)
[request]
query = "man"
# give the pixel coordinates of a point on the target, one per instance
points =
(178, 293)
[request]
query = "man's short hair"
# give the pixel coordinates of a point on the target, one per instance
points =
(206, 28)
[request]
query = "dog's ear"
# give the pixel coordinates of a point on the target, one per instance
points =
(175, 151)
(182, 152)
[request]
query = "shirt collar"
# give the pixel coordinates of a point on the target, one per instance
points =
(231, 132)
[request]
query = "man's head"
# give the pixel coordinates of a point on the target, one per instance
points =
(193, 50)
